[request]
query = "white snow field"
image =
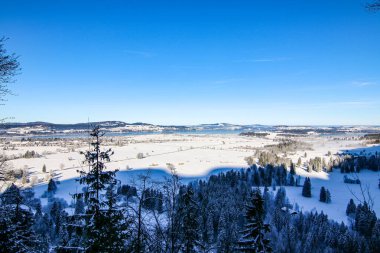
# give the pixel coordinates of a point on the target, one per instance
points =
(195, 156)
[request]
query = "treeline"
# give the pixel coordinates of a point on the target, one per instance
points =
(227, 212)
(254, 134)
(354, 163)
(372, 138)
(205, 216)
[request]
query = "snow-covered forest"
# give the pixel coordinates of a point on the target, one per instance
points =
(239, 210)
(189, 126)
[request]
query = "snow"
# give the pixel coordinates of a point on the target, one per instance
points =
(340, 193)
(196, 156)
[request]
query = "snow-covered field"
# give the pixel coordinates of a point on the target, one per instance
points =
(194, 156)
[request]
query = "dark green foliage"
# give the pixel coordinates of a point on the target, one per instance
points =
(328, 196)
(253, 239)
(109, 230)
(291, 181)
(16, 224)
(351, 208)
(52, 187)
(79, 206)
(306, 189)
(127, 190)
(106, 226)
(188, 210)
(292, 169)
(153, 199)
(206, 216)
(350, 163)
(12, 196)
(322, 195)
(365, 219)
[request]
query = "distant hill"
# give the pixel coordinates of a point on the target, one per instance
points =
(46, 128)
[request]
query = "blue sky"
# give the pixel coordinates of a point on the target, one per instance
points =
(190, 62)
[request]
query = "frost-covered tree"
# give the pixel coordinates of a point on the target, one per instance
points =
(253, 239)
(189, 225)
(16, 224)
(79, 206)
(100, 210)
(299, 162)
(173, 231)
(365, 219)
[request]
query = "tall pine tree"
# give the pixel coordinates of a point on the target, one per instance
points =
(105, 222)
(190, 224)
(253, 239)
(306, 190)
(322, 194)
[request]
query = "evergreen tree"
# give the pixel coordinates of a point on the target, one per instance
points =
(292, 169)
(101, 213)
(52, 186)
(115, 225)
(365, 219)
(291, 180)
(253, 239)
(44, 168)
(351, 208)
(16, 224)
(375, 239)
(280, 199)
(299, 162)
(328, 196)
(298, 180)
(322, 195)
(79, 206)
(227, 232)
(306, 189)
(190, 224)
(256, 179)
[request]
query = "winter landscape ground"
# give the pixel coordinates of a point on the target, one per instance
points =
(196, 156)
(189, 126)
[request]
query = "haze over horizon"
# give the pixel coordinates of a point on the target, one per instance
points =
(160, 62)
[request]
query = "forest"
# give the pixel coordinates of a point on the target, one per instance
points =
(229, 212)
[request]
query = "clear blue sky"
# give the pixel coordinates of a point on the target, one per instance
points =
(189, 62)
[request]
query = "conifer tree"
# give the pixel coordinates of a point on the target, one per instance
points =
(328, 196)
(306, 189)
(322, 195)
(292, 169)
(16, 232)
(253, 239)
(190, 225)
(351, 208)
(365, 219)
(79, 206)
(103, 219)
(299, 162)
(52, 186)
